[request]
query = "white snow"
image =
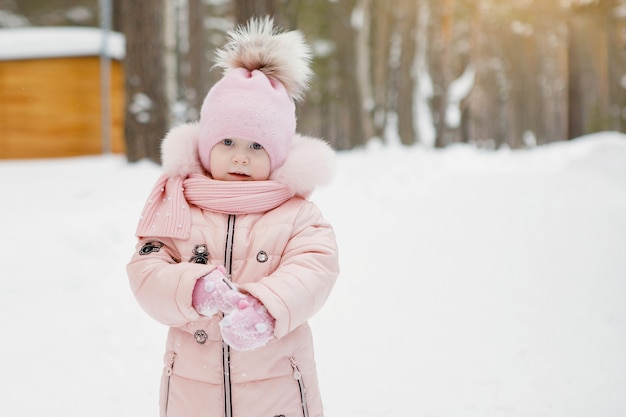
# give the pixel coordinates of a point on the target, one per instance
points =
(459, 90)
(140, 107)
(474, 283)
(54, 42)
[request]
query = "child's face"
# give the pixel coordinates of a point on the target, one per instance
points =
(239, 160)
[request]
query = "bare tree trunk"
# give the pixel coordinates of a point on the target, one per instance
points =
(617, 62)
(601, 59)
(441, 65)
(146, 113)
(363, 63)
(346, 99)
(382, 46)
(551, 120)
(192, 59)
(403, 79)
(195, 85)
(245, 9)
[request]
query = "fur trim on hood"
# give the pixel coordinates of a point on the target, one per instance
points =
(310, 161)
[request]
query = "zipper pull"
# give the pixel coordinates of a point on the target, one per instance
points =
(170, 364)
(296, 372)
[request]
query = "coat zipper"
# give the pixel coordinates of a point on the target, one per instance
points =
(228, 250)
(228, 399)
(228, 264)
(298, 377)
(169, 371)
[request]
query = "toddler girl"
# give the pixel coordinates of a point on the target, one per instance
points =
(232, 255)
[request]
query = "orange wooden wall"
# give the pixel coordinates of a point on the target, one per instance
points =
(50, 107)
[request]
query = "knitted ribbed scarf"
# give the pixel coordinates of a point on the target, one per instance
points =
(167, 214)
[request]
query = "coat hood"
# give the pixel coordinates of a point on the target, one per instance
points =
(310, 161)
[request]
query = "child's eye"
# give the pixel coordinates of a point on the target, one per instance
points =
(227, 142)
(256, 146)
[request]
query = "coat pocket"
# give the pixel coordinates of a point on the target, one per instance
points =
(297, 375)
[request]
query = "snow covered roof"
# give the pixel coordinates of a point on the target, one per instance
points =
(53, 42)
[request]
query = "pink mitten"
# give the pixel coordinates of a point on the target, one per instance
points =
(208, 294)
(249, 326)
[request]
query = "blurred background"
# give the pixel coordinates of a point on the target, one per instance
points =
(474, 283)
(516, 73)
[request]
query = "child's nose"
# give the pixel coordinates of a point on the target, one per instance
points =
(239, 158)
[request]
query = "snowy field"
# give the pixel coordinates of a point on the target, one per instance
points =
(474, 284)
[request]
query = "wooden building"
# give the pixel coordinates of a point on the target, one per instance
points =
(50, 92)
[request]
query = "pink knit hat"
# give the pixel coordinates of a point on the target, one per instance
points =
(248, 105)
(265, 72)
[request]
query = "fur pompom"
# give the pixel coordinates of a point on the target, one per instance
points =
(284, 56)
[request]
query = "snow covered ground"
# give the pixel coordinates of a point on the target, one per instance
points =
(474, 284)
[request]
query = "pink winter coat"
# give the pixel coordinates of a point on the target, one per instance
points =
(286, 257)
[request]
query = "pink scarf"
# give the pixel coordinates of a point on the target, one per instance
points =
(166, 213)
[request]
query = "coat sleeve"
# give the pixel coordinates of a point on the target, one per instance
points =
(307, 272)
(162, 284)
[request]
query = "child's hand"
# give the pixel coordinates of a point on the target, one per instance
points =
(208, 294)
(246, 324)
(249, 326)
